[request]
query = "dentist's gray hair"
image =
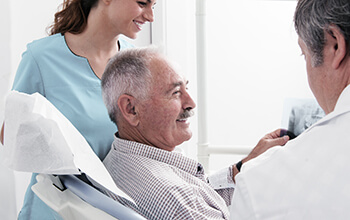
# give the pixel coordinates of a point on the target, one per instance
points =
(312, 20)
(127, 73)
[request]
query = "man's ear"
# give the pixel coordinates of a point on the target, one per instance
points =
(107, 2)
(126, 104)
(338, 45)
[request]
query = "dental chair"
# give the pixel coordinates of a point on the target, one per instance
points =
(39, 139)
(72, 198)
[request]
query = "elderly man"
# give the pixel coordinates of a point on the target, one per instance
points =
(309, 178)
(149, 102)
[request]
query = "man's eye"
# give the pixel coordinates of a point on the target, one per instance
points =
(142, 4)
(176, 92)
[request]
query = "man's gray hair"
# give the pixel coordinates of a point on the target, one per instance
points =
(313, 18)
(127, 73)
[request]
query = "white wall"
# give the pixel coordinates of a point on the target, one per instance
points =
(260, 62)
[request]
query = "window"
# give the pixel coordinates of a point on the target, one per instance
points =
(254, 64)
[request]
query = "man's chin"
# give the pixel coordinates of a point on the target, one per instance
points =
(187, 136)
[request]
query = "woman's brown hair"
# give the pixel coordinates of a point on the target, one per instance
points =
(73, 16)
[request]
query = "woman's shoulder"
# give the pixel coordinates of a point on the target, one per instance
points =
(49, 42)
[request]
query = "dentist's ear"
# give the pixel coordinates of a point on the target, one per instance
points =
(126, 104)
(338, 45)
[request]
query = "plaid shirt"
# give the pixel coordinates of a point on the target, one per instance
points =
(163, 184)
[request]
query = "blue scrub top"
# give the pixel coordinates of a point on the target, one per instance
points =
(50, 68)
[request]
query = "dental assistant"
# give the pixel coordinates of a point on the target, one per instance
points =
(66, 68)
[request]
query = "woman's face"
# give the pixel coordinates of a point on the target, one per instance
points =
(128, 16)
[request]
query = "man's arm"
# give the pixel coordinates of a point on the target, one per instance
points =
(270, 140)
(223, 181)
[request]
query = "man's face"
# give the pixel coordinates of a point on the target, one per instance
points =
(164, 116)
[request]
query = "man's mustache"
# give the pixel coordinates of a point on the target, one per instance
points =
(186, 114)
